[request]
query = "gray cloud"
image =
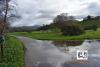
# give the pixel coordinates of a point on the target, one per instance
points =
(94, 9)
(80, 16)
(46, 14)
(38, 12)
(1, 7)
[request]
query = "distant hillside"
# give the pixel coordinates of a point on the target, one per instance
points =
(24, 28)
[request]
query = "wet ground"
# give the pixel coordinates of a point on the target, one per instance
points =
(46, 54)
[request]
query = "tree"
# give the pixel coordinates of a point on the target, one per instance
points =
(91, 23)
(7, 14)
(60, 19)
(44, 27)
(67, 24)
(3, 25)
(88, 17)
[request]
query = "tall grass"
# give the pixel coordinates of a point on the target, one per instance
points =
(44, 35)
(13, 53)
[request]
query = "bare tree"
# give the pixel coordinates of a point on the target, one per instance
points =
(3, 25)
(62, 19)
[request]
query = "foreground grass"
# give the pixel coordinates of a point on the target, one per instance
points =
(58, 36)
(13, 53)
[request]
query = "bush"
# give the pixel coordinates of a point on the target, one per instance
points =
(71, 29)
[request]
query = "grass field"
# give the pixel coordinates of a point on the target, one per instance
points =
(13, 53)
(43, 35)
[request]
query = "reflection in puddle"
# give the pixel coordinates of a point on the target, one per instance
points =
(93, 48)
(67, 43)
(46, 54)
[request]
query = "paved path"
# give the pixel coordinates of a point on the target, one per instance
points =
(41, 53)
(29, 56)
(38, 53)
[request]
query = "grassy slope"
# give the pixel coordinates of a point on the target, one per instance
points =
(57, 36)
(13, 53)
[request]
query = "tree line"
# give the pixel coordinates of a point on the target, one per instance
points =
(69, 26)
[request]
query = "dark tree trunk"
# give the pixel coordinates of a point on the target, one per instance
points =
(3, 31)
(2, 53)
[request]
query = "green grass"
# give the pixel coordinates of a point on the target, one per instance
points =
(58, 36)
(13, 53)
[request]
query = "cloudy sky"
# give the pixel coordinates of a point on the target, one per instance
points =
(38, 12)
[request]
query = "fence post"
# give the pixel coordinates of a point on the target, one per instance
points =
(1, 45)
(2, 51)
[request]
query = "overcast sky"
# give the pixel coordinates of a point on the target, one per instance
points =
(38, 12)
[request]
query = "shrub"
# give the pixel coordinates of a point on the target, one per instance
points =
(71, 29)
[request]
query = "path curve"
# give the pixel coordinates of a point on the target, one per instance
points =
(42, 53)
(29, 50)
(39, 52)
